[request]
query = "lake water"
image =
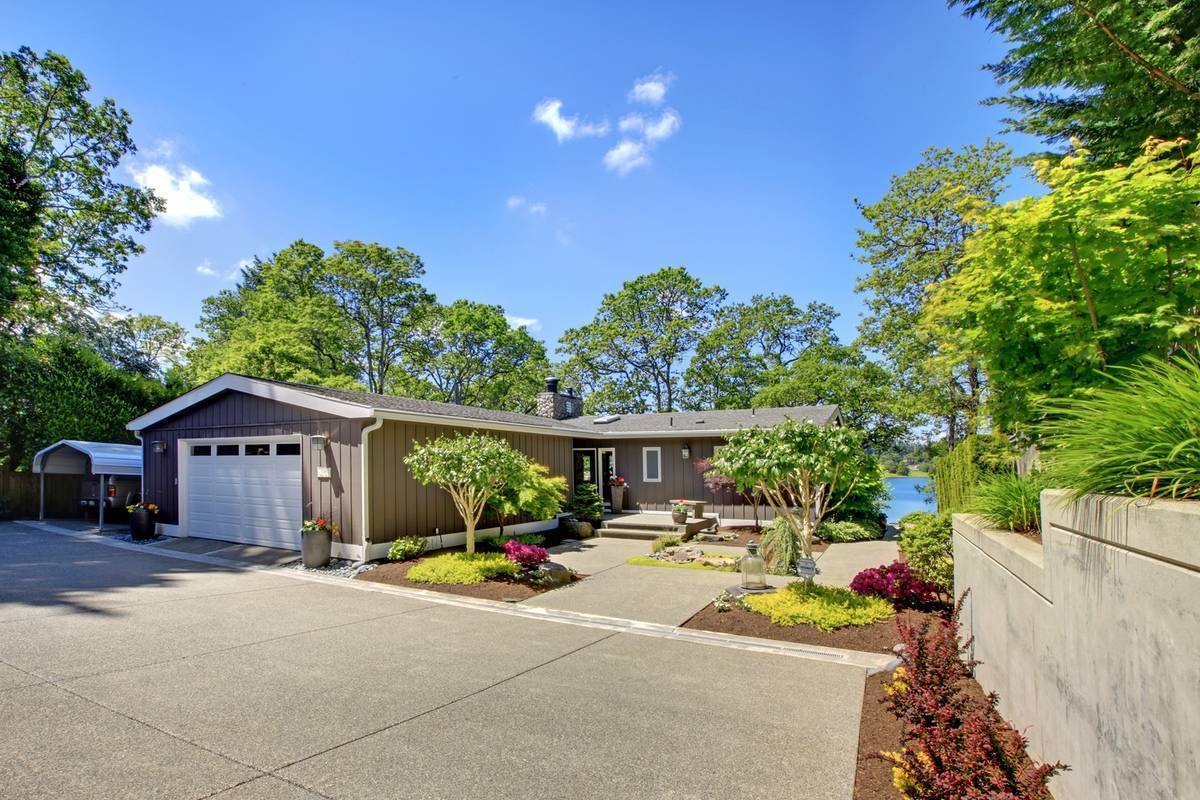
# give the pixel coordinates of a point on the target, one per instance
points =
(906, 497)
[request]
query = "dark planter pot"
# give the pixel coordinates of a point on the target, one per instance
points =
(678, 518)
(141, 525)
(315, 548)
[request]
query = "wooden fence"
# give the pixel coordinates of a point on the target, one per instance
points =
(19, 495)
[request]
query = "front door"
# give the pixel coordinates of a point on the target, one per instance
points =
(585, 467)
(608, 468)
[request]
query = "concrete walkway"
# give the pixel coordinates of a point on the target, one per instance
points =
(129, 673)
(838, 565)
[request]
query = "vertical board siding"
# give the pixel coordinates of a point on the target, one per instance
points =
(20, 492)
(400, 506)
(236, 415)
(680, 480)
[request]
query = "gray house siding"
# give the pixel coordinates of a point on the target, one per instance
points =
(234, 414)
(680, 480)
(400, 506)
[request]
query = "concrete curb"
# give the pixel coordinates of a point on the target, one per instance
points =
(871, 662)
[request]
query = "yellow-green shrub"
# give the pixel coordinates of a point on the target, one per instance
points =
(460, 568)
(824, 607)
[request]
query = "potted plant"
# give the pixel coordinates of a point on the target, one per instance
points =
(141, 521)
(679, 513)
(316, 541)
(617, 485)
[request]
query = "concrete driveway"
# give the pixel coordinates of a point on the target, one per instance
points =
(132, 675)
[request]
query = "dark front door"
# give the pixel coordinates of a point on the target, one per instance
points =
(585, 467)
(607, 469)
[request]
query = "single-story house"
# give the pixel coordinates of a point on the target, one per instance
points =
(247, 459)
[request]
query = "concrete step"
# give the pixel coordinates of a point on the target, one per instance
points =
(631, 533)
(655, 522)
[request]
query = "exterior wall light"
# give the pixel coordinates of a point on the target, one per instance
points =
(685, 451)
(158, 446)
(317, 443)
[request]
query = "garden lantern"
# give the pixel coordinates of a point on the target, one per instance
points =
(754, 571)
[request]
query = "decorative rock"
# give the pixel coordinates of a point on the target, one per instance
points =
(579, 529)
(553, 574)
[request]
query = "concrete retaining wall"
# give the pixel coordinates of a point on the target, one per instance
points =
(1092, 640)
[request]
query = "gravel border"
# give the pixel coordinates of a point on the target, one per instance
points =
(336, 568)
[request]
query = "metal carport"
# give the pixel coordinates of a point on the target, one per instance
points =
(74, 457)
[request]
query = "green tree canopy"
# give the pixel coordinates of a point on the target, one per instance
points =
(914, 240)
(1102, 270)
(865, 391)
(631, 357)
(20, 211)
(467, 353)
(803, 471)
(749, 345)
(472, 469)
(1110, 73)
(69, 147)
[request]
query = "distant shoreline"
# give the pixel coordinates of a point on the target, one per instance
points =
(913, 474)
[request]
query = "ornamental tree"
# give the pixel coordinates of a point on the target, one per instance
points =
(533, 491)
(803, 471)
(472, 469)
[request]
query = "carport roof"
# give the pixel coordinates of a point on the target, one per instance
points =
(106, 458)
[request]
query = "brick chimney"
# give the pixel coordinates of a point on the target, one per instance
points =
(557, 405)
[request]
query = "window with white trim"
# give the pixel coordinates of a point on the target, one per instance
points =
(652, 464)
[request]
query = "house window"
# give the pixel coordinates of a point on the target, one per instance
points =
(652, 464)
(227, 449)
(287, 449)
(202, 450)
(258, 449)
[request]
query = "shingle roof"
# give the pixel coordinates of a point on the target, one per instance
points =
(633, 424)
(699, 421)
(390, 402)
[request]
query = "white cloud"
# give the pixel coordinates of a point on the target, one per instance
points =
(549, 113)
(206, 269)
(627, 156)
(651, 89)
(183, 189)
(654, 130)
(516, 202)
(531, 324)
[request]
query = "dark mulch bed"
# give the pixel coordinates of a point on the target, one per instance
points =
(880, 637)
(394, 574)
(880, 731)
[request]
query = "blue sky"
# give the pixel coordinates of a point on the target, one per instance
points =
(738, 154)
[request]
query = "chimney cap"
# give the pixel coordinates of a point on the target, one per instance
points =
(551, 384)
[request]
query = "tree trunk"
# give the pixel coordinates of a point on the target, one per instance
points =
(470, 537)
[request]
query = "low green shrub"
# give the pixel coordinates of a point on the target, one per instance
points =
(781, 546)
(1011, 501)
(835, 531)
(496, 543)
(925, 543)
(663, 542)
(586, 504)
(824, 607)
(1137, 436)
(460, 568)
(406, 547)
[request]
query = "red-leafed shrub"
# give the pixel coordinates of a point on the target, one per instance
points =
(527, 555)
(896, 582)
(956, 745)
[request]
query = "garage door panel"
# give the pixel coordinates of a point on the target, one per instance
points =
(249, 499)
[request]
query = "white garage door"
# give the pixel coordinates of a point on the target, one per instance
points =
(245, 492)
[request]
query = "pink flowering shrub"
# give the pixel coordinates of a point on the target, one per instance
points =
(896, 582)
(527, 555)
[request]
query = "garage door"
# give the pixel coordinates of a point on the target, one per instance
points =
(245, 492)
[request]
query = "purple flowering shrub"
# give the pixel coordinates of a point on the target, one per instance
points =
(896, 582)
(527, 556)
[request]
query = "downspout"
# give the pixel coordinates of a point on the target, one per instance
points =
(365, 472)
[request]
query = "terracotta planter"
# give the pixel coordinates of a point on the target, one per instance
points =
(315, 547)
(618, 498)
(141, 525)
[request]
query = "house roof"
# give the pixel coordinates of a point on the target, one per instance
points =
(694, 422)
(105, 458)
(362, 405)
